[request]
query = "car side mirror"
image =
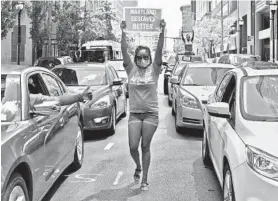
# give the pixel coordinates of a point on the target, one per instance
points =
(117, 82)
(46, 108)
(168, 74)
(174, 80)
(219, 109)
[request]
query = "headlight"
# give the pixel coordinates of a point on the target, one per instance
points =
(102, 102)
(189, 101)
(262, 162)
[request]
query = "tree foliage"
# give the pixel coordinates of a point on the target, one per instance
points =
(8, 17)
(37, 12)
(208, 34)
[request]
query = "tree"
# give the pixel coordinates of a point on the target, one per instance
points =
(8, 17)
(37, 12)
(107, 16)
(208, 34)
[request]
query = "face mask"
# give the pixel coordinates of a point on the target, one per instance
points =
(143, 62)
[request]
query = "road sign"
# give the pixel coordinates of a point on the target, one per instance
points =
(143, 19)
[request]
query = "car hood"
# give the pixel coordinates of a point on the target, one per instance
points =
(200, 92)
(80, 89)
(261, 135)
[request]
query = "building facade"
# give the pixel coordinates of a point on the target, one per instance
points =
(254, 36)
(9, 44)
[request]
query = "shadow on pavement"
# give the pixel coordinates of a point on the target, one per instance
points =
(57, 184)
(95, 135)
(206, 182)
(186, 134)
(121, 194)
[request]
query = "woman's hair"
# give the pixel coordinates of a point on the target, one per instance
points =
(140, 47)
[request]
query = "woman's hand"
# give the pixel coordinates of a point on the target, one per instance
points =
(162, 24)
(123, 25)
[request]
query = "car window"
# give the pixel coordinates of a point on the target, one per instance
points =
(227, 93)
(36, 84)
(221, 87)
(52, 85)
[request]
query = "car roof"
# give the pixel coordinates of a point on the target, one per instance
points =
(19, 69)
(210, 65)
(249, 71)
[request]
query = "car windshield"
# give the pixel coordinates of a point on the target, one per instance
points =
(81, 76)
(203, 76)
(10, 98)
(260, 97)
(178, 69)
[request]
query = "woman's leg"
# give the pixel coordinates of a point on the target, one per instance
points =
(134, 135)
(148, 130)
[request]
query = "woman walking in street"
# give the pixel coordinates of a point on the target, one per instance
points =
(143, 76)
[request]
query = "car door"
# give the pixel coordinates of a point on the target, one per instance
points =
(220, 126)
(118, 91)
(61, 141)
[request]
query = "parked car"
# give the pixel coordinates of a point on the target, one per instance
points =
(38, 145)
(240, 135)
(109, 100)
(237, 59)
(197, 83)
(118, 66)
(167, 73)
(50, 62)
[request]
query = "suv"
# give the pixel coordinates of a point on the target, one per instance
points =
(238, 59)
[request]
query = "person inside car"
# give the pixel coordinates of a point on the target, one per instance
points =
(143, 77)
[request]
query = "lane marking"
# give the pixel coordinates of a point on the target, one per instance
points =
(120, 174)
(109, 145)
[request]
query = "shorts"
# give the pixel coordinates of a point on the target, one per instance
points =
(146, 117)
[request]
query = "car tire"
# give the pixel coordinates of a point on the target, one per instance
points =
(169, 101)
(79, 150)
(178, 128)
(111, 130)
(125, 110)
(228, 187)
(16, 187)
(165, 86)
(205, 150)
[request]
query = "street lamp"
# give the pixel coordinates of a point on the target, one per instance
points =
(273, 8)
(19, 6)
(241, 23)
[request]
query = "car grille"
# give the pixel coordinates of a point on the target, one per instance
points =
(192, 121)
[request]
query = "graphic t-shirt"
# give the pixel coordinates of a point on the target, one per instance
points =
(143, 88)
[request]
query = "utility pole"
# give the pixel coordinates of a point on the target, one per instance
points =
(49, 26)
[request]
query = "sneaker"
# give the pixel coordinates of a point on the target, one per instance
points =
(144, 187)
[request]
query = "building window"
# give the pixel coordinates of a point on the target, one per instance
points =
(266, 21)
(233, 6)
(210, 6)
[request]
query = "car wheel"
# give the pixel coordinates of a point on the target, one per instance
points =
(111, 130)
(125, 110)
(178, 128)
(169, 101)
(228, 188)
(79, 150)
(16, 189)
(205, 150)
(165, 86)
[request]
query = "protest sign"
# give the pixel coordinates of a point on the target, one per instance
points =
(143, 19)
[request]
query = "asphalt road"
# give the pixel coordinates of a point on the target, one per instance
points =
(176, 172)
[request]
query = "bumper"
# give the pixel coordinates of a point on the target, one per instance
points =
(251, 186)
(189, 117)
(97, 119)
